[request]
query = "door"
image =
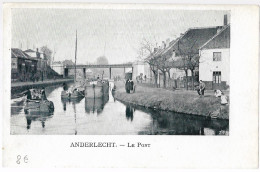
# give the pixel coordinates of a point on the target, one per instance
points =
(216, 80)
(66, 72)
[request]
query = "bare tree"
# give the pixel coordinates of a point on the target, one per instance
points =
(46, 53)
(189, 61)
(147, 54)
(192, 63)
(164, 64)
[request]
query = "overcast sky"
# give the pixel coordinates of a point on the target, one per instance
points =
(114, 33)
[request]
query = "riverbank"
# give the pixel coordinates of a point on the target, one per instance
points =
(17, 87)
(181, 101)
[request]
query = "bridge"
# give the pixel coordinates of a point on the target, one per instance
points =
(84, 67)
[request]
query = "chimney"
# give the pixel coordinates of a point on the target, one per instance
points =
(38, 55)
(225, 20)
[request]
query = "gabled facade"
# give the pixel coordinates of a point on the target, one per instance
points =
(41, 64)
(214, 63)
(23, 67)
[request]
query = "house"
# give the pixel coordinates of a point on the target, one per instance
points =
(184, 53)
(141, 68)
(58, 67)
(23, 67)
(41, 64)
(215, 60)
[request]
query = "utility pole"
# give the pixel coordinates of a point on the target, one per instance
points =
(75, 59)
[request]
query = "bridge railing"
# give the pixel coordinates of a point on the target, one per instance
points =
(128, 65)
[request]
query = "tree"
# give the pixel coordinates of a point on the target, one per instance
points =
(192, 63)
(147, 54)
(189, 58)
(102, 60)
(182, 65)
(46, 53)
(164, 64)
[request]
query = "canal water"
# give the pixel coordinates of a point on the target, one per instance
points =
(108, 116)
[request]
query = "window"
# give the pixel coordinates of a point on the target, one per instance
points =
(217, 77)
(216, 56)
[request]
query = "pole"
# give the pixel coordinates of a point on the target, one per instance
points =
(110, 73)
(75, 59)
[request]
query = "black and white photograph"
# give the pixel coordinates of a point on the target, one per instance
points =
(120, 72)
(106, 85)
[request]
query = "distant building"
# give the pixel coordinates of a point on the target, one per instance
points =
(141, 68)
(59, 66)
(214, 60)
(23, 67)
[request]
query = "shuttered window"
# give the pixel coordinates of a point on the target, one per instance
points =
(216, 56)
(217, 77)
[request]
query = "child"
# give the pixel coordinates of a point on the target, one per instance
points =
(217, 93)
(224, 99)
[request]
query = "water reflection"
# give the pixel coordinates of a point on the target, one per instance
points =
(93, 105)
(17, 107)
(37, 116)
(71, 116)
(66, 101)
(129, 113)
(170, 123)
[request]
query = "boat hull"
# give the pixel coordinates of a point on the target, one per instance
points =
(73, 95)
(97, 91)
(39, 106)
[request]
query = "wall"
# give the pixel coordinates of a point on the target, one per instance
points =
(141, 68)
(177, 73)
(58, 68)
(207, 65)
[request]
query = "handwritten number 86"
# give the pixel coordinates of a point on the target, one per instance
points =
(19, 157)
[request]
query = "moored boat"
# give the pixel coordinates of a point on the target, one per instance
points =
(38, 102)
(73, 93)
(96, 89)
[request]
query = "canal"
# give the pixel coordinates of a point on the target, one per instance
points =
(108, 116)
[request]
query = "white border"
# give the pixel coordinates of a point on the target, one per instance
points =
(236, 151)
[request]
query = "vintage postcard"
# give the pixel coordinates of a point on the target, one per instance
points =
(147, 85)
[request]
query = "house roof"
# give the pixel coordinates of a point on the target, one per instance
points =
(189, 42)
(224, 29)
(193, 39)
(29, 51)
(17, 53)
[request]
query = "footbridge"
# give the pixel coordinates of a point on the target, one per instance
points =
(84, 67)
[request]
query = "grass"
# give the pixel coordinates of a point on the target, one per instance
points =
(182, 101)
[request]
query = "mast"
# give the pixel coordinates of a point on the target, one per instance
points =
(75, 59)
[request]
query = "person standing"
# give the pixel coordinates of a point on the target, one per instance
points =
(127, 86)
(43, 94)
(201, 88)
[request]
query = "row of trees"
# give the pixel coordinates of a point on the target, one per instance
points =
(164, 62)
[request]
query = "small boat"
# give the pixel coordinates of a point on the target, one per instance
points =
(96, 89)
(18, 99)
(73, 93)
(38, 102)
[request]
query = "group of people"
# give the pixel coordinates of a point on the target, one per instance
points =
(129, 86)
(35, 94)
(217, 93)
(140, 78)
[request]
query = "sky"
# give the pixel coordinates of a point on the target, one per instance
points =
(115, 33)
